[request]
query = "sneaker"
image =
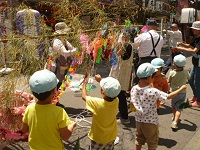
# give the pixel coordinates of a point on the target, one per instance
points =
(174, 125)
(172, 118)
(195, 104)
(116, 140)
(123, 121)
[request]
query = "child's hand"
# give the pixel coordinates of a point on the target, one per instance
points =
(97, 77)
(74, 123)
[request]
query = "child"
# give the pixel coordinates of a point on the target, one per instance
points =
(159, 80)
(104, 124)
(144, 98)
(177, 78)
(46, 123)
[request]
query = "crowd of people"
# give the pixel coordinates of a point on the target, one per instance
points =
(150, 89)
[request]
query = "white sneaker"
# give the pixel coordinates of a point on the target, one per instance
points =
(123, 121)
(116, 140)
(174, 125)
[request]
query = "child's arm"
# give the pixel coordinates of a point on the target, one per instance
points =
(25, 128)
(84, 91)
(66, 132)
(172, 94)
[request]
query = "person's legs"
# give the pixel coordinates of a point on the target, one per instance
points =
(177, 115)
(197, 82)
(196, 85)
(123, 108)
(191, 81)
(139, 136)
(151, 133)
(176, 102)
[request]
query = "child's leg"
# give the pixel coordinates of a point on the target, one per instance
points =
(177, 115)
(174, 113)
(138, 147)
(139, 137)
(176, 102)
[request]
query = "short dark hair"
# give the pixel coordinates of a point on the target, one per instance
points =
(42, 96)
(149, 76)
(109, 99)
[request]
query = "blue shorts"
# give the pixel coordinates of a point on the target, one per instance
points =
(178, 100)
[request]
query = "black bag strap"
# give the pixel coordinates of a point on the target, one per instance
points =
(154, 46)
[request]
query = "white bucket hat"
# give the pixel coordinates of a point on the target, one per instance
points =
(110, 86)
(196, 25)
(61, 28)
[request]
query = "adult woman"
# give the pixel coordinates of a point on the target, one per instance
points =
(194, 49)
(122, 71)
(62, 52)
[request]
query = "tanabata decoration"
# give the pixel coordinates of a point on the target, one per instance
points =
(144, 29)
(64, 85)
(95, 48)
(128, 23)
(28, 22)
(12, 113)
(77, 60)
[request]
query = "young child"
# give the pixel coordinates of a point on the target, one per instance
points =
(144, 98)
(159, 80)
(103, 131)
(177, 78)
(46, 123)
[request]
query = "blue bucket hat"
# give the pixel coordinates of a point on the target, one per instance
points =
(42, 81)
(145, 70)
(157, 62)
(110, 86)
(180, 60)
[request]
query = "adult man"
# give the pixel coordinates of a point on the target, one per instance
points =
(175, 36)
(149, 44)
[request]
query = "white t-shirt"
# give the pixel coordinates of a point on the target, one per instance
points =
(59, 47)
(144, 43)
(145, 101)
(175, 36)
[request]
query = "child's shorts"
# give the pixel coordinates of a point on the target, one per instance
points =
(178, 100)
(147, 132)
(98, 146)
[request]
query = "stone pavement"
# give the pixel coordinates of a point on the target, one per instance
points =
(186, 137)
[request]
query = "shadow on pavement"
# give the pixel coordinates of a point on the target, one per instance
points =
(192, 127)
(169, 143)
(165, 110)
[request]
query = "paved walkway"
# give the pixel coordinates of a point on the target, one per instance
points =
(185, 138)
